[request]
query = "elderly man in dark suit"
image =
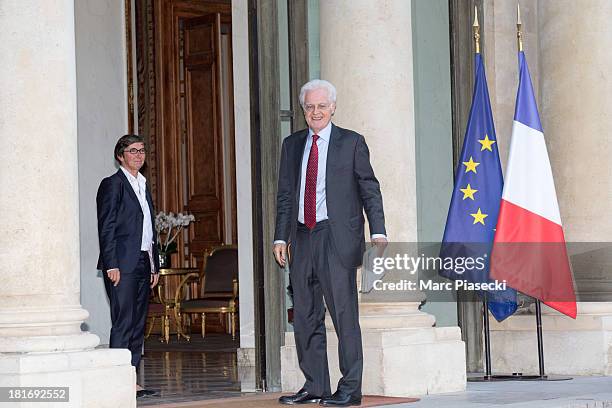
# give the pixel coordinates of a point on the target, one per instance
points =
(325, 184)
(128, 247)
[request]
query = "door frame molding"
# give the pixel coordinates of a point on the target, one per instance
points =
(269, 280)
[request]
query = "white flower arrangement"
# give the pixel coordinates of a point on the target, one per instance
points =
(168, 227)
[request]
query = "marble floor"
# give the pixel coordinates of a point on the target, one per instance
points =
(182, 372)
(206, 369)
(579, 392)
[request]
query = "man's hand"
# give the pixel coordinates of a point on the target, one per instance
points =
(154, 279)
(381, 243)
(280, 254)
(114, 275)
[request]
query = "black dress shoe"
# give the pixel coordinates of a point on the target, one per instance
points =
(145, 393)
(301, 397)
(340, 399)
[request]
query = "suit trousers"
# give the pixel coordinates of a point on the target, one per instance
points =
(316, 273)
(129, 302)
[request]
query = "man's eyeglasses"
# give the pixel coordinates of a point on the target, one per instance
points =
(322, 107)
(136, 151)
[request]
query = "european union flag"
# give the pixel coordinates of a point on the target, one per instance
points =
(472, 216)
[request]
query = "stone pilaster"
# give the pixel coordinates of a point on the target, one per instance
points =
(575, 39)
(41, 342)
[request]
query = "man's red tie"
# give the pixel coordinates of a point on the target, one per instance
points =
(310, 191)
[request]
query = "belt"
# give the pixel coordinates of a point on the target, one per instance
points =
(321, 223)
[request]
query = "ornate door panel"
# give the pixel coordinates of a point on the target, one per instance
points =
(203, 127)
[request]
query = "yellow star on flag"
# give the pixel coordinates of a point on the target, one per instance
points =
(468, 192)
(486, 143)
(470, 165)
(479, 217)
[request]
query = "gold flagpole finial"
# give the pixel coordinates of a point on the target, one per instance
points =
(476, 29)
(519, 30)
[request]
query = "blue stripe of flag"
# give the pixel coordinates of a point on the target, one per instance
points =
(526, 110)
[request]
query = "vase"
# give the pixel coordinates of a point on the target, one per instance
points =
(164, 260)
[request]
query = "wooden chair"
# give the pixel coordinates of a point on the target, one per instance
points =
(156, 310)
(218, 288)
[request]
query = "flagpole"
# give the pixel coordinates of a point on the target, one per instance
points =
(542, 375)
(487, 338)
(519, 28)
(476, 30)
(485, 303)
(540, 338)
(519, 38)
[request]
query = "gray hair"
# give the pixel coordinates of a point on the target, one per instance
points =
(318, 84)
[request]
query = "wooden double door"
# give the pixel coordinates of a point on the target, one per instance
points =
(186, 91)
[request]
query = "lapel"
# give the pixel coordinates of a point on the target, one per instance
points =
(149, 200)
(152, 211)
(297, 160)
(128, 187)
(335, 144)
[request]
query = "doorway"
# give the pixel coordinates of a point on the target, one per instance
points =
(185, 94)
(185, 114)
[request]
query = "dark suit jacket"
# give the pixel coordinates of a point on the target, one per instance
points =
(351, 187)
(120, 221)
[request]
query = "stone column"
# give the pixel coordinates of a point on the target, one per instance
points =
(41, 342)
(366, 52)
(574, 59)
(575, 40)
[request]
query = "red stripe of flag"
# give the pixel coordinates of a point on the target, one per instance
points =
(530, 254)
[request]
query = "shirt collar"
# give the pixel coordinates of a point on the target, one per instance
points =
(139, 177)
(324, 134)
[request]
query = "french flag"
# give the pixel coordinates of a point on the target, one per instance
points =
(529, 249)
